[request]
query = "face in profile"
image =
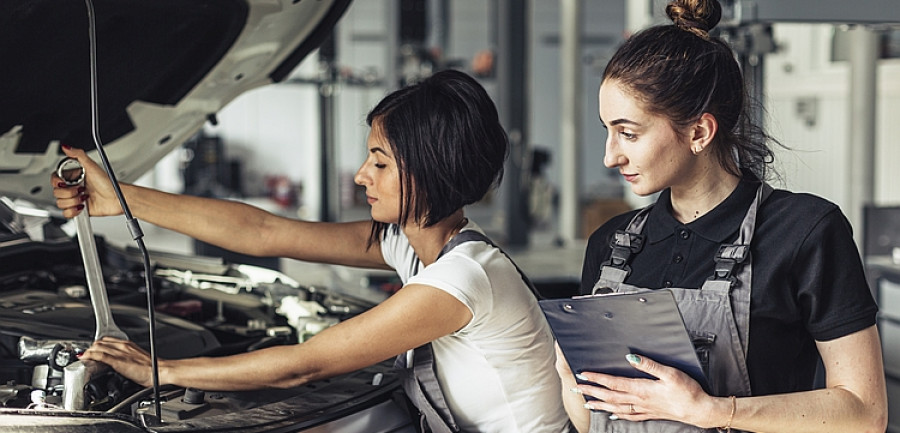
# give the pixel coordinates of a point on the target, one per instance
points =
(645, 148)
(380, 176)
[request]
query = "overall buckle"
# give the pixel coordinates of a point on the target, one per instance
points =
(623, 245)
(728, 257)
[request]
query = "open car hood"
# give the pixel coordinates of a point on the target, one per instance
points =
(164, 68)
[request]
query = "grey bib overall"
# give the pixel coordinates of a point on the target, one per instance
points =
(717, 316)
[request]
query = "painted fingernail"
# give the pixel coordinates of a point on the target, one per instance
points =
(613, 417)
(632, 358)
(84, 198)
(62, 185)
(581, 376)
(65, 146)
(81, 189)
(588, 406)
(575, 390)
(79, 207)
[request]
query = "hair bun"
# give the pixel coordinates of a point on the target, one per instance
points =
(695, 16)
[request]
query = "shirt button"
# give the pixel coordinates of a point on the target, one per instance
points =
(685, 234)
(677, 258)
(667, 284)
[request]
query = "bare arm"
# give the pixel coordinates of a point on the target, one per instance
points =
(854, 399)
(231, 225)
(413, 316)
(573, 402)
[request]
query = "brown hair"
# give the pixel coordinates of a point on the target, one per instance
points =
(681, 71)
(698, 17)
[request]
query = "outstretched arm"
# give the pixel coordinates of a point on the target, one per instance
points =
(228, 224)
(414, 315)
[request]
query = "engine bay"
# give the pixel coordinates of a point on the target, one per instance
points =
(204, 307)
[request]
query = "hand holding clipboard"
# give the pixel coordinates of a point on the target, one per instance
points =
(596, 332)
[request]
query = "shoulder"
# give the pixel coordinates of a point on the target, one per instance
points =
(798, 227)
(462, 272)
(800, 213)
(783, 200)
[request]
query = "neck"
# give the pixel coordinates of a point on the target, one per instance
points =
(427, 242)
(695, 199)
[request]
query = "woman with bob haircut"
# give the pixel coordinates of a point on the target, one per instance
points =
(767, 281)
(433, 148)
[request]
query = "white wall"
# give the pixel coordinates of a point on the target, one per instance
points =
(803, 70)
(274, 131)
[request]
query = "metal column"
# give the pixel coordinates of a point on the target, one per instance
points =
(861, 161)
(329, 182)
(512, 73)
(570, 119)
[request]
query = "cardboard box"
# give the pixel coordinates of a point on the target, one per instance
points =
(599, 211)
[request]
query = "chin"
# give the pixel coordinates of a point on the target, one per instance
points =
(385, 219)
(644, 191)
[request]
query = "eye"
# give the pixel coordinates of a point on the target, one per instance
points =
(628, 136)
(379, 165)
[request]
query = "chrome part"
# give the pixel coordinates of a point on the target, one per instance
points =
(75, 377)
(39, 351)
(72, 173)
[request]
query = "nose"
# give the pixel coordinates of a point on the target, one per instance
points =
(613, 157)
(360, 178)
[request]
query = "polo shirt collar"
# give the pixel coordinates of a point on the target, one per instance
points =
(718, 225)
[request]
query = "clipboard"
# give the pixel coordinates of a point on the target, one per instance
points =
(596, 332)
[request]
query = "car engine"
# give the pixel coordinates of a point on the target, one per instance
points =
(204, 307)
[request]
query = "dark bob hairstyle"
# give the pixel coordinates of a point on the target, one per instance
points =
(449, 145)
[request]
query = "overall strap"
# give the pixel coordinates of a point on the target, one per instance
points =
(624, 244)
(730, 257)
(734, 269)
(424, 392)
(474, 235)
(420, 381)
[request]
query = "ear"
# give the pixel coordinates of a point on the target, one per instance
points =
(702, 132)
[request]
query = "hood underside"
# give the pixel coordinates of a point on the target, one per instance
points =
(164, 67)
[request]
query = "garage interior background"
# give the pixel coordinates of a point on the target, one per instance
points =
(308, 133)
(377, 46)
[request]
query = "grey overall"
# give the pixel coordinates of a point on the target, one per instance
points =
(717, 316)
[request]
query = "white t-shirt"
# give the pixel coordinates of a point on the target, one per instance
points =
(497, 372)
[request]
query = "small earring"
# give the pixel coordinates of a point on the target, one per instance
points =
(697, 150)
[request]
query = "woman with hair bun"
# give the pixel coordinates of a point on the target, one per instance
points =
(768, 281)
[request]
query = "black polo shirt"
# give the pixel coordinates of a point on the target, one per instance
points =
(808, 281)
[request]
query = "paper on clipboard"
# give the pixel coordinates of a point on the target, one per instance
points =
(596, 332)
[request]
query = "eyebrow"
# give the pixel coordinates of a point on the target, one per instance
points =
(620, 122)
(378, 150)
